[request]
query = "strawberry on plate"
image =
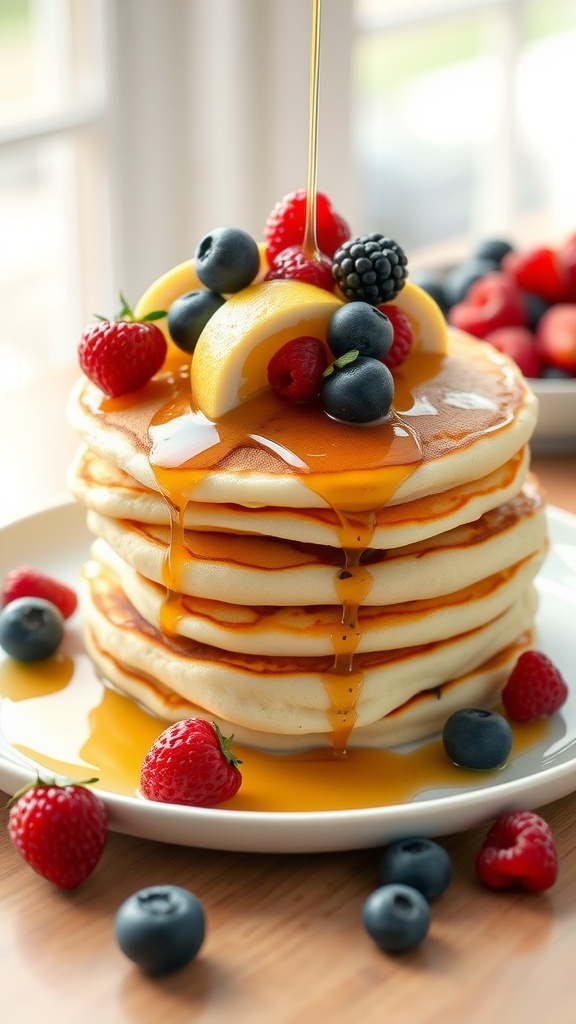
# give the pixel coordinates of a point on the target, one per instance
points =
(60, 829)
(26, 581)
(191, 763)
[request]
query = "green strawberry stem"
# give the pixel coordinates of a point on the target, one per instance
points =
(126, 313)
(57, 780)
(225, 742)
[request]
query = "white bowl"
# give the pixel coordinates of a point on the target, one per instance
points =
(556, 427)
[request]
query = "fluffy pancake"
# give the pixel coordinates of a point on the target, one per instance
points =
(309, 631)
(108, 490)
(265, 570)
(458, 418)
(276, 697)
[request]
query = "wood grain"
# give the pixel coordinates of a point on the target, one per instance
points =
(285, 941)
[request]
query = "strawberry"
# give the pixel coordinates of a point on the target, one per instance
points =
(519, 850)
(26, 581)
(291, 264)
(286, 224)
(538, 271)
(60, 828)
(492, 301)
(122, 355)
(403, 336)
(519, 344)
(191, 763)
(295, 370)
(535, 687)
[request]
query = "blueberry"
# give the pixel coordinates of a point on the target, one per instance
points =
(397, 917)
(360, 326)
(30, 628)
(160, 928)
(459, 280)
(189, 314)
(535, 308)
(357, 389)
(432, 284)
(227, 260)
(420, 863)
(477, 738)
(493, 249)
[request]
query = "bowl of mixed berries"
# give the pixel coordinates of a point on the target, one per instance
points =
(522, 301)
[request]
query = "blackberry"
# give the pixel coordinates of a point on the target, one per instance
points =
(371, 268)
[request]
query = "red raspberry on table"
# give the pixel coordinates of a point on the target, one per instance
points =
(403, 335)
(122, 355)
(556, 337)
(295, 370)
(520, 345)
(538, 271)
(191, 763)
(25, 581)
(59, 829)
(286, 224)
(535, 687)
(519, 850)
(292, 265)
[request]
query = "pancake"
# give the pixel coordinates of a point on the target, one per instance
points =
(309, 630)
(458, 418)
(106, 489)
(278, 572)
(275, 696)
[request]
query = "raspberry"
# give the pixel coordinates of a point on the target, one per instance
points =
(295, 370)
(519, 850)
(403, 335)
(291, 264)
(371, 268)
(535, 687)
(287, 221)
(26, 581)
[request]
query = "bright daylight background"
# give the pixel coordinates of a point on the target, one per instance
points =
(128, 128)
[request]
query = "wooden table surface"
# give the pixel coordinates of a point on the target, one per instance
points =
(284, 940)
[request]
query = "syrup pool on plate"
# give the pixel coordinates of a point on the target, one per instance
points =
(60, 716)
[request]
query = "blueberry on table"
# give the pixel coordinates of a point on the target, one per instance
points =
(160, 928)
(31, 629)
(396, 917)
(189, 314)
(418, 862)
(460, 279)
(227, 260)
(360, 326)
(357, 389)
(477, 738)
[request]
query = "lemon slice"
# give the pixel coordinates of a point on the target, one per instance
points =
(169, 287)
(425, 316)
(230, 361)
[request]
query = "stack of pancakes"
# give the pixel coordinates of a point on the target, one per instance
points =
(300, 606)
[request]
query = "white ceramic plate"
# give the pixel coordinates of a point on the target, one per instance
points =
(556, 427)
(56, 540)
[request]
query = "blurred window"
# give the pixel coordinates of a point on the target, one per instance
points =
(128, 128)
